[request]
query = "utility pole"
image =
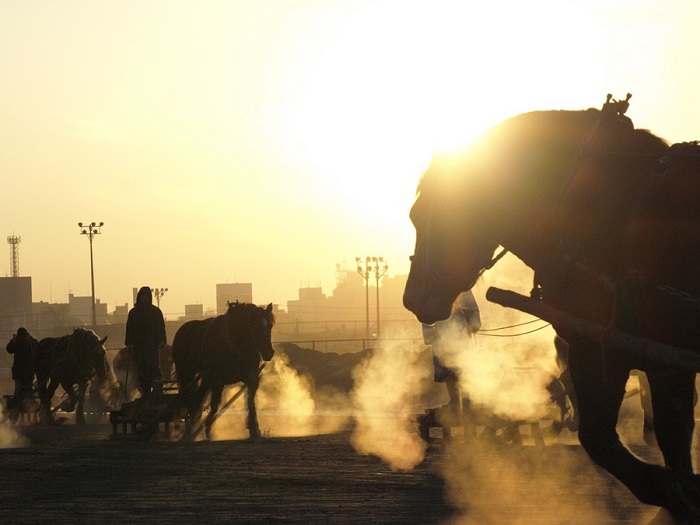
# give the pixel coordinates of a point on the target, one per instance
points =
(91, 230)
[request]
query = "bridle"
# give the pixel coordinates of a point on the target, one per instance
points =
(437, 282)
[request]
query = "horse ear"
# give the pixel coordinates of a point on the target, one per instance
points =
(102, 341)
(269, 308)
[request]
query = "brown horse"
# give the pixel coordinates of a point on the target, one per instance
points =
(608, 217)
(220, 351)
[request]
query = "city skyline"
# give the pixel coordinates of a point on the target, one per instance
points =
(210, 306)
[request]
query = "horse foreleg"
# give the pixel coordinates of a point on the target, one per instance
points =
(214, 409)
(45, 414)
(252, 421)
(195, 397)
(80, 408)
(674, 418)
(600, 386)
(69, 404)
(188, 392)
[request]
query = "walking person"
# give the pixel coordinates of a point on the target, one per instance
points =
(145, 335)
(23, 347)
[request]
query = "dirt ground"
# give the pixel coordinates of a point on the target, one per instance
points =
(73, 474)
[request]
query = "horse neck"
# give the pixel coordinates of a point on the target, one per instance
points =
(526, 219)
(81, 353)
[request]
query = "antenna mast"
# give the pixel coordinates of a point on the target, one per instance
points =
(14, 241)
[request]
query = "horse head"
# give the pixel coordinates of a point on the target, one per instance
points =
(452, 242)
(251, 326)
(90, 349)
(503, 190)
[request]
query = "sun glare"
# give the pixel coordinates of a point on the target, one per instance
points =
(399, 81)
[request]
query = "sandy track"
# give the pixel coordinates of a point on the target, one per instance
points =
(71, 474)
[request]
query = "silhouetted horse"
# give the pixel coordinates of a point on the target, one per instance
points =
(608, 217)
(73, 359)
(227, 349)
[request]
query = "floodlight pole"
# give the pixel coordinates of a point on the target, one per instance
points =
(158, 293)
(380, 268)
(364, 272)
(91, 230)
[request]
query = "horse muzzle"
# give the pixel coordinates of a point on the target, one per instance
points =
(428, 309)
(268, 354)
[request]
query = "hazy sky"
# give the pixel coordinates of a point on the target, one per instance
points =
(266, 141)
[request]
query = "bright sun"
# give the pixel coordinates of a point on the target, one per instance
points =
(399, 81)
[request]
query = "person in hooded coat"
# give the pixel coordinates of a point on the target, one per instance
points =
(22, 346)
(145, 335)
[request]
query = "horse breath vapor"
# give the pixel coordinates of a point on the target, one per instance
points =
(385, 386)
(9, 436)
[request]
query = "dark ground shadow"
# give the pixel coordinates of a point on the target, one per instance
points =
(82, 475)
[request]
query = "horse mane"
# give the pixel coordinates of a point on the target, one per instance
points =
(618, 131)
(570, 129)
(252, 309)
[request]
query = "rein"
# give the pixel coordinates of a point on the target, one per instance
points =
(518, 334)
(493, 261)
(481, 330)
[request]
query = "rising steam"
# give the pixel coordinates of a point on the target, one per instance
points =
(386, 385)
(9, 437)
(287, 406)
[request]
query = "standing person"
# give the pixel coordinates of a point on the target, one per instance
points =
(23, 347)
(145, 334)
(465, 318)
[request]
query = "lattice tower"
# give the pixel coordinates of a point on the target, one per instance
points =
(14, 241)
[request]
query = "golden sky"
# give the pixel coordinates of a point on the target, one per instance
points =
(265, 141)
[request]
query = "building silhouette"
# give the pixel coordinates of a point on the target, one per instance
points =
(232, 292)
(15, 304)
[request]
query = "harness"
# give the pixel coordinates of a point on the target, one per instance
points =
(612, 120)
(650, 187)
(627, 287)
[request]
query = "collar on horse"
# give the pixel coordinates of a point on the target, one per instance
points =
(611, 121)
